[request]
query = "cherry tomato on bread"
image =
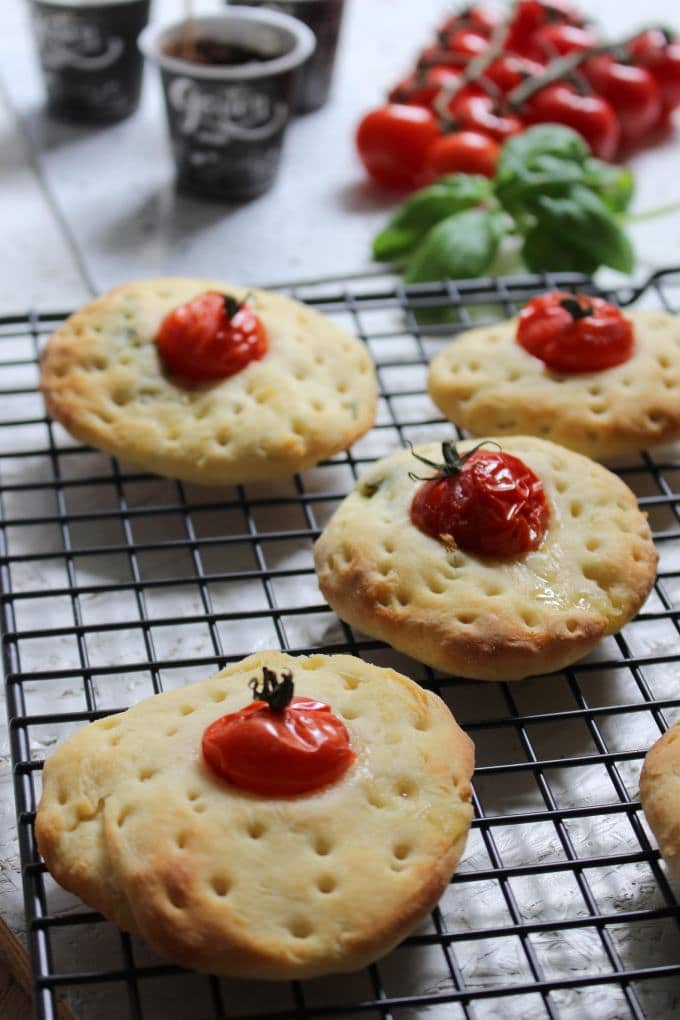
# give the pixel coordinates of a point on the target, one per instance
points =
(278, 752)
(489, 503)
(575, 333)
(210, 337)
(393, 141)
(466, 152)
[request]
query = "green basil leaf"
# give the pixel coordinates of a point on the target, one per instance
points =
(546, 252)
(583, 222)
(460, 247)
(425, 208)
(614, 184)
(547, 158)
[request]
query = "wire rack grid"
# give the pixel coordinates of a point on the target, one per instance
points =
(116, 584)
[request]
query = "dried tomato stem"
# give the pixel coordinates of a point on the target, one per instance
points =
(453, 461)
(277, 693)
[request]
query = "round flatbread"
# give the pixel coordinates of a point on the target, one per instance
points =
(312, 394)
(485, 618)
(660, 796)
(133, 821)
(485, 382)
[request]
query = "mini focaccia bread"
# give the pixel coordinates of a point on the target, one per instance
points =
(134, 821)
(485, 382)
(482, 617)
(660, 796)
(311, 395)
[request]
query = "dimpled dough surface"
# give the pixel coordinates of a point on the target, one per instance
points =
(486, 383)
(660, 796)
(490, 619)
(222, 880)
(312, 394)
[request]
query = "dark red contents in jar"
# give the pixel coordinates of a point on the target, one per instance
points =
(210, 337)
(284, 753)
(575, 333)
(493, 506)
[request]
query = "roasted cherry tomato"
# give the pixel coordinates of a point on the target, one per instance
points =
(481, 113)
(530, 15)
(631, 91)
(210, 337)
(592, 116)
(467, 43)
(552, 41)
(465, 152)
(661, 56)
(575, 333)
(509, 71)
(392, 142)
(278, 752)
(488, 502)
(423, 86)
(480, 19)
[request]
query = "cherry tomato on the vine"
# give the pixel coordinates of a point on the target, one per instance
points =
(480, 19)
(493, 505)
(653, 50)
(392, 142)
(592, 116)
(632, 92)
(210, 337)
(423, 86)
(530, 15)
(467, 43)
(552, 41)
(509, 71)
(575, 333)
(465, 152)
(481, 113)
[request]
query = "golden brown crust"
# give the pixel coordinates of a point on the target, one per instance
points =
(313, 394)
(481, 618)
(486, 383)
(660, 796)
(228, 882)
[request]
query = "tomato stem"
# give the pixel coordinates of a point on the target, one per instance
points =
(453, 460)
(278, 694)
(474, 70)
(575, 308)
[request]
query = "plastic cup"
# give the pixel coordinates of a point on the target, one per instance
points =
(227, 121)
(324, 17)
(89, 56)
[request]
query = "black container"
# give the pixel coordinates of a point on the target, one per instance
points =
(227, 123)
(324, 17)
(90, 58)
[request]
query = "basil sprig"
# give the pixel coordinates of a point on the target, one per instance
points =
(565, 205)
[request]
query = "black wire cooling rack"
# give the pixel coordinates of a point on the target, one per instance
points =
(116, 584)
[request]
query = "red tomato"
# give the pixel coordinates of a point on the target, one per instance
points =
(392, 143)
(480, 19)
(210, 337)
(652, 49)
(575, 333)
(592, 116)
(493, 505)
(632, 92)
(530, 15)
(285, 753)
(438, 55)
(423, 86)
(467, 43)
(465, 152)
(481, 113)
(552, 41)
(509, 71)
